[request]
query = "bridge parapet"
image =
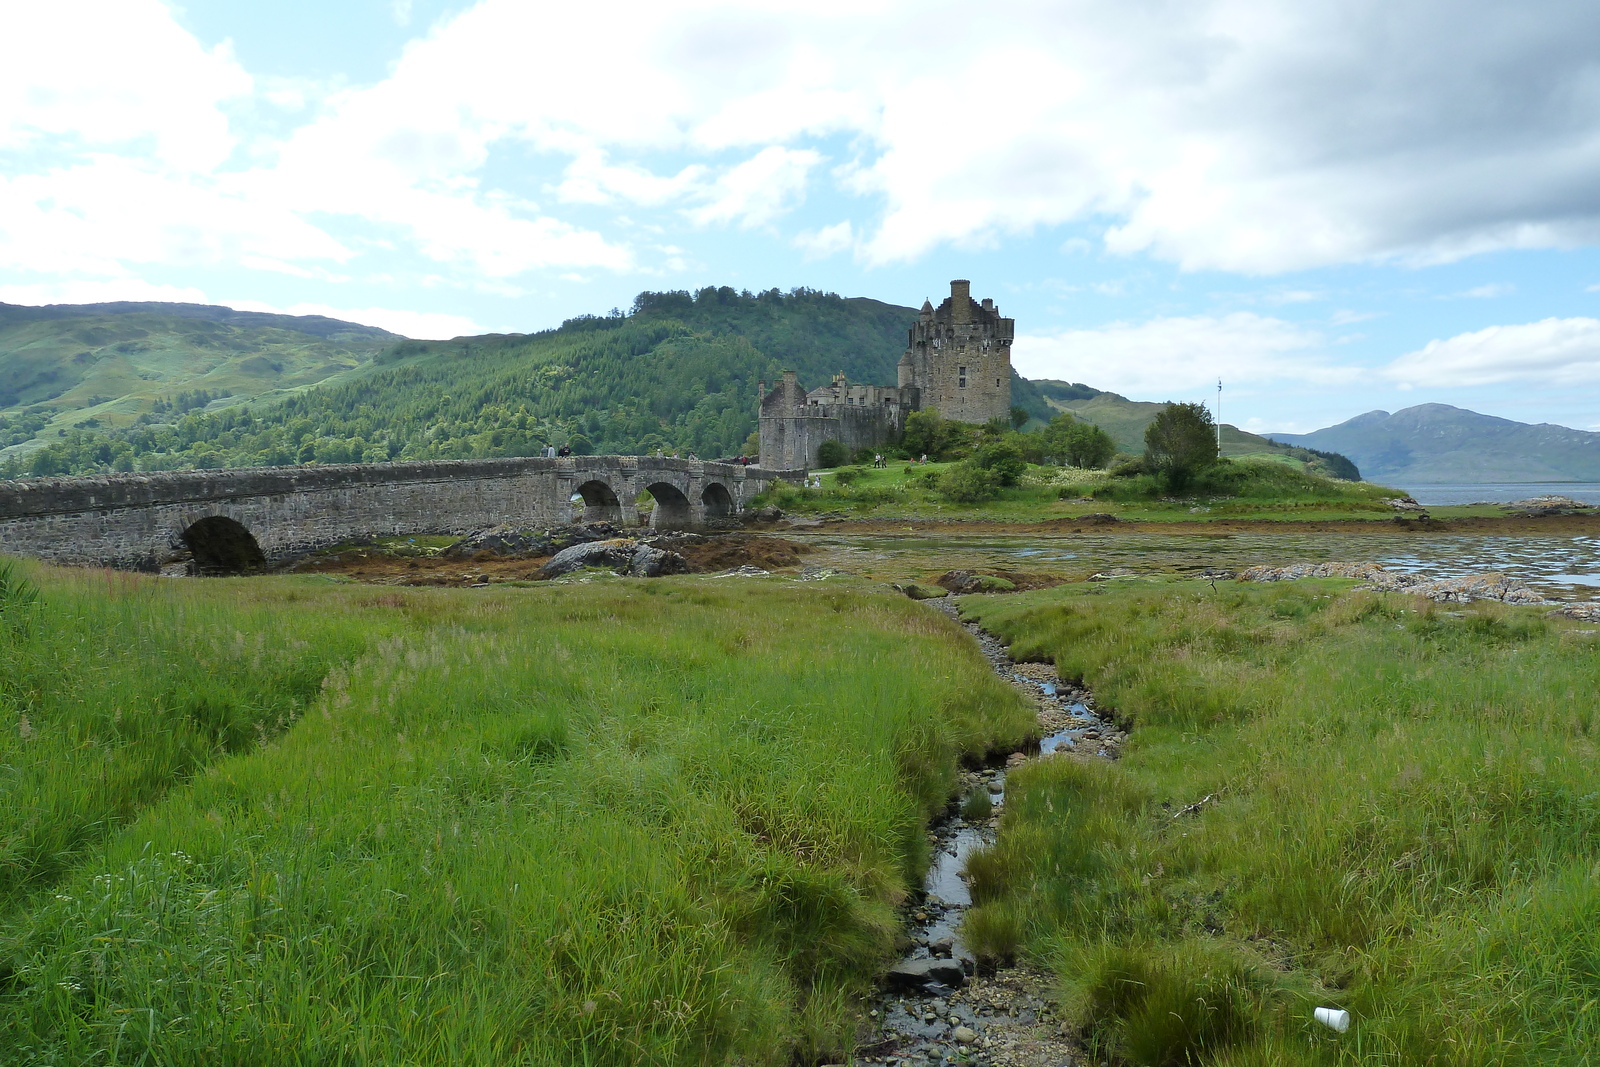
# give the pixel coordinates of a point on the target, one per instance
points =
(145, 521)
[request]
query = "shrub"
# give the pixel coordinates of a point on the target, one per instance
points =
(968, 483)
(846, 475)
(832, 454)
(1002, 459)
(1127, 467)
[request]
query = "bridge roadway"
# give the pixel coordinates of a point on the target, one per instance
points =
(227, 521)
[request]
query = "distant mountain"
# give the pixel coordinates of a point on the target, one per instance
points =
(93, 366)
(1440, 443)
(680, 371)
(1125, 420)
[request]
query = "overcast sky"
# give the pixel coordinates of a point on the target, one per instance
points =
(1333, 206)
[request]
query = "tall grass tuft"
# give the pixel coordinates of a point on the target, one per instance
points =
(662, 821)
(1371, 801)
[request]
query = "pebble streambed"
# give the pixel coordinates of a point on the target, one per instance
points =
(935, 1007)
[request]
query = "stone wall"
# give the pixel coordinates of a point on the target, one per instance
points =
(137, 521)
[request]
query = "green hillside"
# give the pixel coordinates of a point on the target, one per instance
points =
(1125, 420)
(109, 365)
(679, 372)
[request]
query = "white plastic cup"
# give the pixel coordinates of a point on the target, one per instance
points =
(1335, 1019)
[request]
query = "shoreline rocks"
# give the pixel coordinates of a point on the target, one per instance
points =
(1492, 585)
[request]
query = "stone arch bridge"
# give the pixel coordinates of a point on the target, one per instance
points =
(238, 520)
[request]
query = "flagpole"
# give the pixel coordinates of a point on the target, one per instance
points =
(1219, 418)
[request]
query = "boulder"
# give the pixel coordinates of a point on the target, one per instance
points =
(969, 582)
(914, 974)
(649, 562)
(621, 554)
(918, 591)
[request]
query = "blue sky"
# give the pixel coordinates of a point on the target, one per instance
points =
(1334, 207)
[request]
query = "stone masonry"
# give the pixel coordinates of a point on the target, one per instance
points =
(151, 521)
(957, 363)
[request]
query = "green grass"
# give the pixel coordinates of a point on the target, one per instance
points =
(1253, 489)
(1404, 823)
(621, 822)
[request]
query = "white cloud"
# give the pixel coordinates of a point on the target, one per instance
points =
(1222, 134)
(422, 324)
(758, 190)
(1347, 316)
(1485, 292)
(1552, 351)
(97, 74)
(1163, 357)
(827, 241)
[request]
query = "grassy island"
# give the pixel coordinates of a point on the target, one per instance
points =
(1243, 489)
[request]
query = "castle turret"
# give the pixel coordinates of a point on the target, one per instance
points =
(959, 358)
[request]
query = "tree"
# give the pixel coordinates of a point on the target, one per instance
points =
(927, 433)
(1002, 459)
(1019, 417)
(1089, 446)
(1180, 442)
(832, 454)
(1077, 444)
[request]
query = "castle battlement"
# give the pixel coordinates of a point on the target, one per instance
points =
(957, 363)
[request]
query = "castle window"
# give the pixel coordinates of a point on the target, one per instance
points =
(962, 371)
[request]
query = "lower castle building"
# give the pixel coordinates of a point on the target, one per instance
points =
(957, 363)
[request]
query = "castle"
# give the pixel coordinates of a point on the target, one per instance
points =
(957, 363)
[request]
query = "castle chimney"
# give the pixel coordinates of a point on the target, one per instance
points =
(761, 388)
(960, 300)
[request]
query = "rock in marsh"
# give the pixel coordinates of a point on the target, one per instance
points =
(648, 562)
(511, 541)
(918, 591)
(623, 555)
(913, 974)
(964, 1035)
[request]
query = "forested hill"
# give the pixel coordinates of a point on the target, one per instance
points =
(679, 371)
(104, 366)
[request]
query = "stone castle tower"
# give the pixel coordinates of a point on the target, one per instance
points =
(959, 358)
(957, 363)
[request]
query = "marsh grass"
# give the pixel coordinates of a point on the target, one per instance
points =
(1405, 824)
(629, 822)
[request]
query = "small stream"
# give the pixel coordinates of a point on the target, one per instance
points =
(932, 1011)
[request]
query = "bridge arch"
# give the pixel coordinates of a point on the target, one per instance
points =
(600, 503)
(220, 545)
(717, 501)
(672, 507)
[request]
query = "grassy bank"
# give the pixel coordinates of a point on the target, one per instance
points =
(610, 823)
(1247, 489)
(1401, 821)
